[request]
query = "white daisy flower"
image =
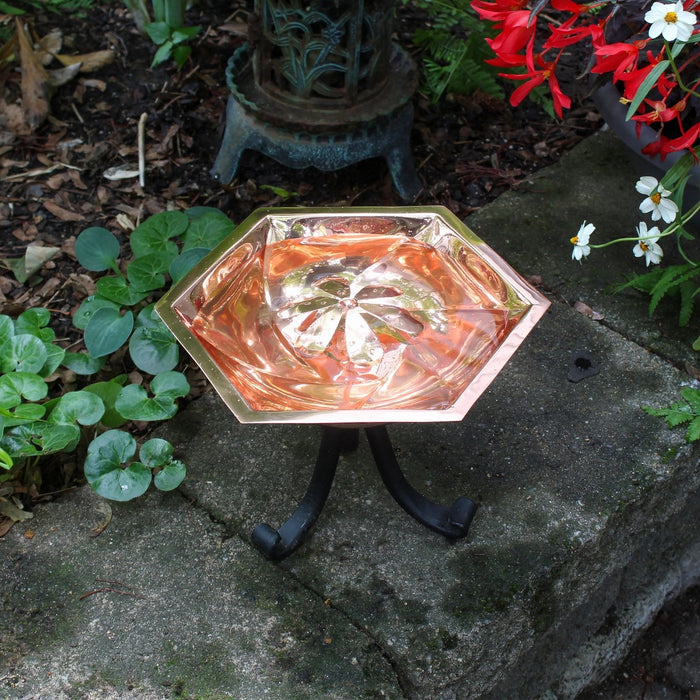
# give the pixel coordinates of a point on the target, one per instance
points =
(657, 201)
(671, 21)
(580, 241)
(647, 245)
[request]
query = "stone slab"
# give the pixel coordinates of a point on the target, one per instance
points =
(587, 522)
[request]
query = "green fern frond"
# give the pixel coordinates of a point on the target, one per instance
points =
(670, 280)
(455, 50)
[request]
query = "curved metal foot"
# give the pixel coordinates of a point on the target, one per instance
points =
(452, 522)
(277, 544)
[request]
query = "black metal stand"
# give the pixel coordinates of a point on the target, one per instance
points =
(452, 522)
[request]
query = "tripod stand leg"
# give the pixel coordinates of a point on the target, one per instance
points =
(277, 544)
(452, 522)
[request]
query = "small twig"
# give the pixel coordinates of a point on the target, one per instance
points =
(142, 149)
(109, 589)
(77, 113)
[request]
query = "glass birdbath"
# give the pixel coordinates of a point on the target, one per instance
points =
(352, 318)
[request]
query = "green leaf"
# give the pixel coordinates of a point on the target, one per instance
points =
(154, 234)
(163, 54)
(108, 393)
(170, 476)
(117, 289)
(674, 415)
(33, 322)
(693, 432)
(23, 353)
(24, 413)
(97, 249)
(184, 262)
(184, 33)
(82, 407)
(173, 385)
(107, 331)
(106, 471)
(88, 308)
(40, 438)
(152, 347)
(207, 231)
(692, 396)
(156, 452)
(201, 210)
(145, 274)
(5, 460)
(159, 32)
(83, 363)
(21, 385)
(135, 404)
(34, 258)
(7, 329)
(54, 357)
(646, 85)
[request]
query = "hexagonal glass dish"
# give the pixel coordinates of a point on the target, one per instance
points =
(351, 316)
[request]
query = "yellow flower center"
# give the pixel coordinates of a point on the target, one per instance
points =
(671, 17)
(574, 240)
(643, 246)
(656, 197)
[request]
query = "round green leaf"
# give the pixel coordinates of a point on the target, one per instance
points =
(83, 363)
(134, 403)
(173, 385)
(18, 385)
(145, 274)
(184, 262)
(107, 331)
(154, 350)
(105, 468)
(108, 392)
(170, 476)
(40, 438)
(154, 234)
(207, 231)
(88, 308)
(156, 452)
(23, 353)
(148, 318)
(119, 290)
(82, 407)
(33, 321)
(96, 249)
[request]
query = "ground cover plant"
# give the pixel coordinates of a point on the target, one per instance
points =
(88, 410)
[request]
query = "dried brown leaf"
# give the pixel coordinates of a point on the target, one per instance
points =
(48, 45)
(588, 311)
(82, 283)
(89, 62)
(61, 76)
(36, 90)
(63, 214)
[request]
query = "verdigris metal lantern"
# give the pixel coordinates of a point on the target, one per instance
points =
(321, 84)
(347, 318)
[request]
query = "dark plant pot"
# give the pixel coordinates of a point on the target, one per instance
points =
(607, 101)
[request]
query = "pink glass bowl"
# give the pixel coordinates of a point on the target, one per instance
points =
(358, 315)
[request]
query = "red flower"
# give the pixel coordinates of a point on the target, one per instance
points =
(536, 77)
(516, 33)
(619, 58)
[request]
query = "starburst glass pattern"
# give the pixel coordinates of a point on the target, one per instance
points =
(353, 316)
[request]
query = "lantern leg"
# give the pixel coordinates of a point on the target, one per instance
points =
(451, 522)
(277, 544)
